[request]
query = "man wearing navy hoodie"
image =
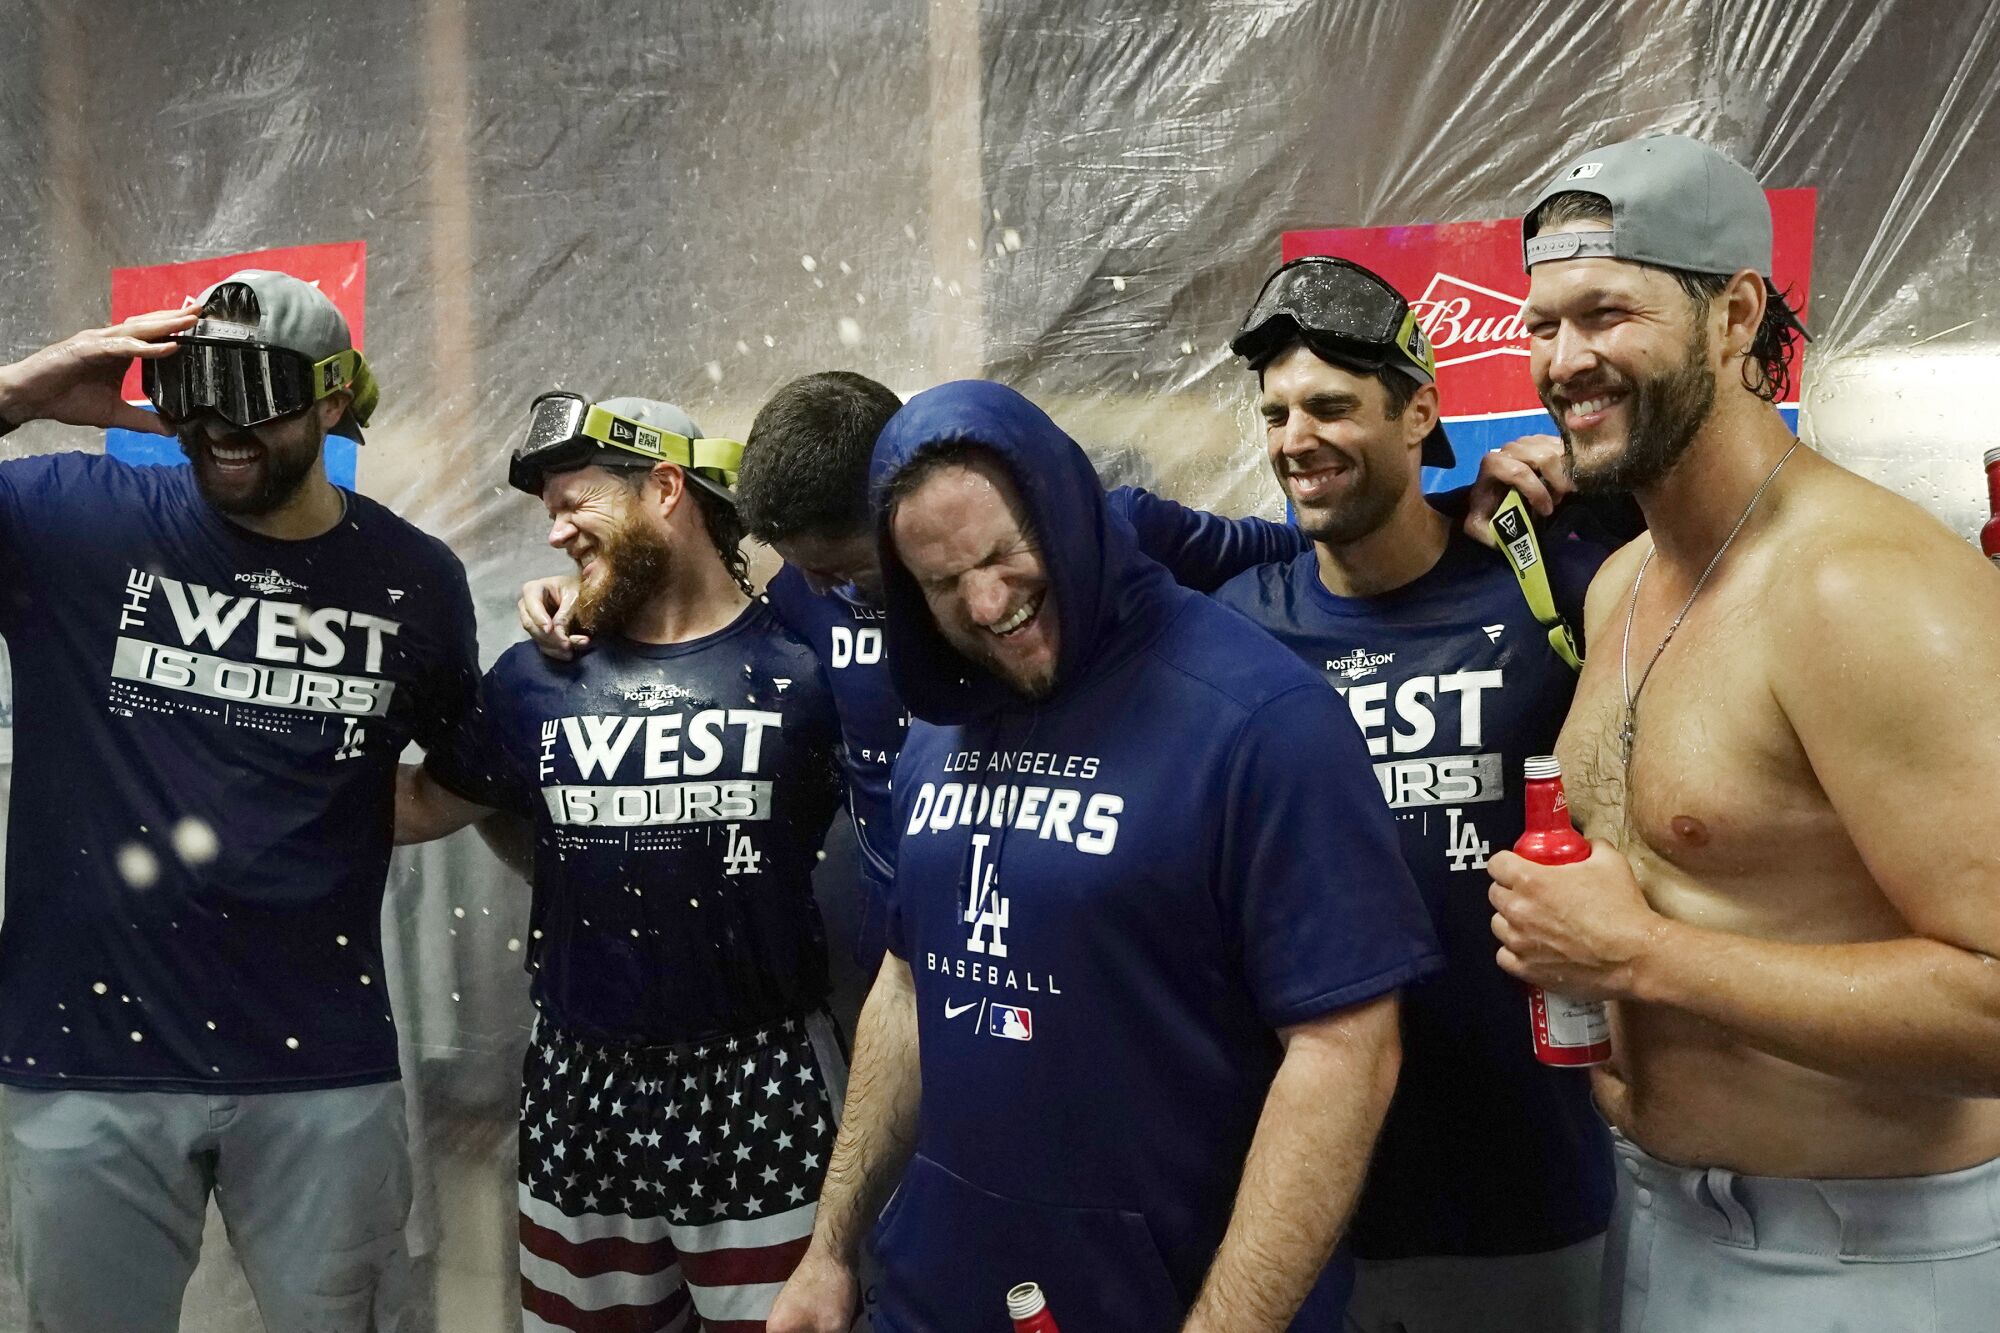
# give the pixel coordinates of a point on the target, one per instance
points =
(1138, 1022)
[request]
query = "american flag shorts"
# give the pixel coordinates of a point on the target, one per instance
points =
(666, 1189)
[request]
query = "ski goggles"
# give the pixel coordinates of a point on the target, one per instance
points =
(248, 384)
(1341, 311)
(567, 431)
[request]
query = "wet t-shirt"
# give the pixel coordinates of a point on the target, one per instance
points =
(679, 794)
(1452, 683)
(207, 724)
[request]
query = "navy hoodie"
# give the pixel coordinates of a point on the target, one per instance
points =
(1110, 900)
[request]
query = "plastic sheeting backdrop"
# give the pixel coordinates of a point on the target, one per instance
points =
(698, 202)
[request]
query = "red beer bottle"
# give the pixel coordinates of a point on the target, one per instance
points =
(1989, 536)
(1568, 1032)
(1029, 1310)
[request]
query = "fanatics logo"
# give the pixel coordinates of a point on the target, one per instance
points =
(270, 582)
(1359, 664)
(1010, 1021)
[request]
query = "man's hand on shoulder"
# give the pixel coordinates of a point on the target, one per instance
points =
(77, 381)
(545, 609)
(1534, 465)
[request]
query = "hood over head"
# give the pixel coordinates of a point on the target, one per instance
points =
(1103, 585)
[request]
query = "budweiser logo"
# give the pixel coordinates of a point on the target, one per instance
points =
(1467, 322)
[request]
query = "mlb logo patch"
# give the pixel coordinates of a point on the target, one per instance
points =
(1583, 171)
(1010, 1021)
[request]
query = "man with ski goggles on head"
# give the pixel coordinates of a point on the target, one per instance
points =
(1493, 1172)
(215, 670)
(679, 1096)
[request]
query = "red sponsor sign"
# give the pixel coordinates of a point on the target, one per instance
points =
(339, 270)
(1464, 280)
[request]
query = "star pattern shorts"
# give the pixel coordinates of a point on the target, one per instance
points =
(665, 1188)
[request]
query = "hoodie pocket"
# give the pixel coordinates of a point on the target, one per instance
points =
(950, 1251)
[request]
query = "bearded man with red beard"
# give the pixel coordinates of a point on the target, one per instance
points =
(680, 1092)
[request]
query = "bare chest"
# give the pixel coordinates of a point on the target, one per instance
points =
(1701, 782)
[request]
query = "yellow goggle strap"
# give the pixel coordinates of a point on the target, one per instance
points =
(347, 370)
(1516, 533)
(720, 459)
(1414, 345)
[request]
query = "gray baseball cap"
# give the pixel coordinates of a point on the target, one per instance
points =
(675, 421)
(299, 317)
(1675, 202)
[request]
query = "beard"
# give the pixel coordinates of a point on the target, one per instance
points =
(632, 566)
(287, 452)
(1668, 410)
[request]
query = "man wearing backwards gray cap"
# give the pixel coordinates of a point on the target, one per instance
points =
(1786, 751)
(678, 1100)
(216, 668)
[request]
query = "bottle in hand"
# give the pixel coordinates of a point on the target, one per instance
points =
(1568, 1032)
(1029, 1310)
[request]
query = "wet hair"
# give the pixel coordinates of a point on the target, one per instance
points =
(1767, 366)
(805, 465)
(719, 517)
(235, 302)
(932, 459)
(1397, 388)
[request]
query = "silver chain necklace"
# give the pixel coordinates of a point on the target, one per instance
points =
(1630, 725)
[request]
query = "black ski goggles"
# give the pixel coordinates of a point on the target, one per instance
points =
(1346, 316)
(1341, 311)
(567, 431)
(247, 384)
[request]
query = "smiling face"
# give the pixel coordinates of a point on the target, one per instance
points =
(1343, 462)
(964, 535)
(256, 471)
(598, 521)
(1625, 363)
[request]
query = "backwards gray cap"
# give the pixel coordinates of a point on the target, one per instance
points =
(299, 317)
(1675, 202)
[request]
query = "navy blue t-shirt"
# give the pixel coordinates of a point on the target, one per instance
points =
(1202, 551)
(1486, 1151)
(679, 794)
(207, 724)
(1111, 901)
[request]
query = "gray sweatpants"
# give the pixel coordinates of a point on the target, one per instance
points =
(1695, 1250)
(108, 1192)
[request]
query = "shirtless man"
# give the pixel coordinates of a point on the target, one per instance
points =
(1792, 898)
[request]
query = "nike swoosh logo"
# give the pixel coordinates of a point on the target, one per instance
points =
(950, 1012)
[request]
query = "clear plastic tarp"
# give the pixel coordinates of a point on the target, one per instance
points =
(697, 202)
